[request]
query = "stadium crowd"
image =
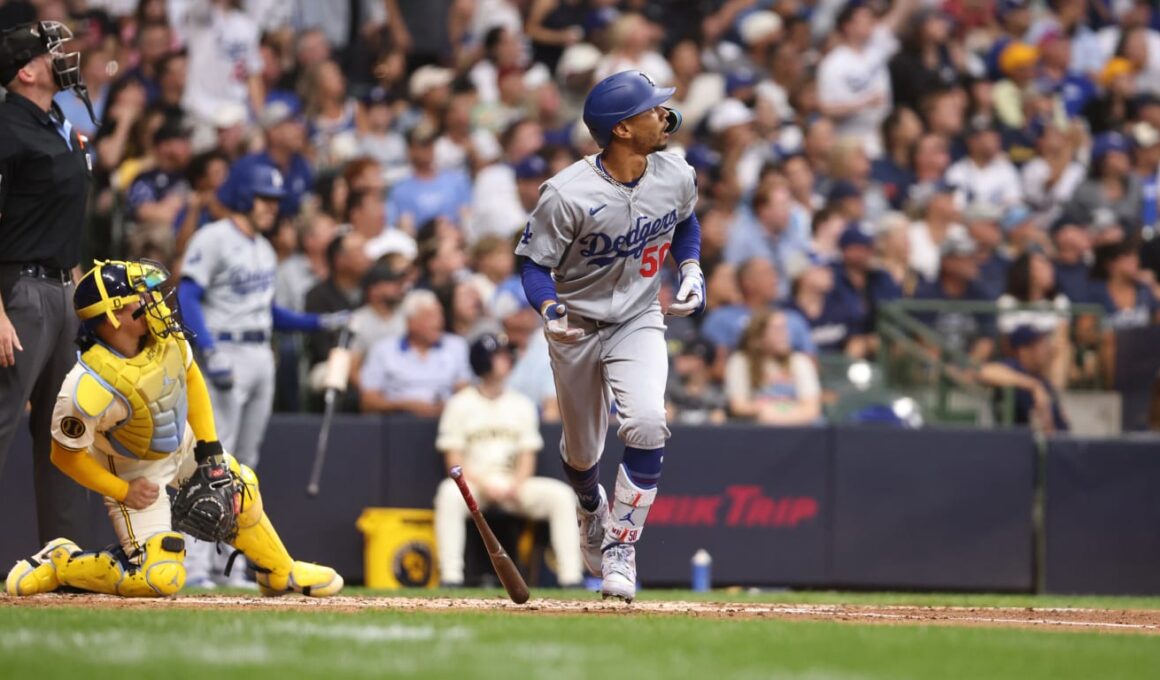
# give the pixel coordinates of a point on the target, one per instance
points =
(848, 154)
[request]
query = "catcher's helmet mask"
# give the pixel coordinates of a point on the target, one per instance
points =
(112, 285)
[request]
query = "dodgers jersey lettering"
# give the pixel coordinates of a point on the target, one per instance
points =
(604, 242)
(237, 273)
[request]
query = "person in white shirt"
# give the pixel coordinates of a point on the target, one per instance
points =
(225, 62)
(985, 175)
(632, 38)
(493, 433)
(853, 79)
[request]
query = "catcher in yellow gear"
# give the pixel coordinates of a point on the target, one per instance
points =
(132, 416)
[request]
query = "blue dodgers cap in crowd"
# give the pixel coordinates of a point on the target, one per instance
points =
(1024, 336)
(280, 108)
(841, 190)
(1014, 216)
(532, 167)
(1108, 142)
(701, 157)
(378, 95)
(854, 236)
(741, 78)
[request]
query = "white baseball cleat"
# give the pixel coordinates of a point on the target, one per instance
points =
(592, 533)
(619, 567)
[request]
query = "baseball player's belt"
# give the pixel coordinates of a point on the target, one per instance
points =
(244, 336)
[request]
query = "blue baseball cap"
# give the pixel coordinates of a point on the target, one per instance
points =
(841, 190)
(281, 107)
(735, 80)
(378, 95)
(1024, 336)
(1015, 216)
(1108, 142)
(854, 236)
(532, 167)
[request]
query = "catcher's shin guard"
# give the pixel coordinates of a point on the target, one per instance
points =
(277, 572)
(162, 570)
(37, 574)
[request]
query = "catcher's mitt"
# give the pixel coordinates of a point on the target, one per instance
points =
(206, 505)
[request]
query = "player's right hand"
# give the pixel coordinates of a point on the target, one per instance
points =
(556, 323)
(219, 371)
(9, 342)
(142, 494)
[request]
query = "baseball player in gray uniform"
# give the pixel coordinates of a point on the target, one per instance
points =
(227, 300)
(592, 254)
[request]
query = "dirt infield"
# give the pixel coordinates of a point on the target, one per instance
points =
(1097, 620)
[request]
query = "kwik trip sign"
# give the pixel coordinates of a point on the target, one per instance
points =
(738, 505)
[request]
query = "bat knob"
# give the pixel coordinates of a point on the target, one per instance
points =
(456, 472)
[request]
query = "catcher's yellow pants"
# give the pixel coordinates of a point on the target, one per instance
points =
(140, 532)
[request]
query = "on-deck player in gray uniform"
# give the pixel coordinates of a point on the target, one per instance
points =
(227, 299)
(593, 251)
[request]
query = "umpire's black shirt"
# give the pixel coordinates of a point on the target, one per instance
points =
(43, 187)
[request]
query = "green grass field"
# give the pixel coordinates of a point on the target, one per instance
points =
(154, 642)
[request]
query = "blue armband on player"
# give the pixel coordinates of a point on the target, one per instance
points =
(687, 240)
(189, 295)
(538, 284)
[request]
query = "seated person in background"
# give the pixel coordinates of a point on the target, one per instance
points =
(531, 375)
(859, 287)
(347, 263)
(494, 434)
(767, 382)
(813, 283)
(694, 398)
(378, 317)
(1126, 295)
(1036, 401)
(1030, 299)
(757, 281)
(418, 372)
(958, 280)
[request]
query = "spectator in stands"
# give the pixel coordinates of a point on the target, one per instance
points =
(378, 318)
(172, 72)
(155, 198)
(1073, 251)
(853, 81)
(1111, 186)
(767, 382)
(225, 62)
(285, 142)
(757, 282)
(494, 262)
(983, 225)
(892, 248)
(418, 372)
(813, 283)
(463, 308)
(309, 264)
(1030, 284)
(928, 60)
(939, 218)
(958, 280)
(1122, 289)
(827, 229)
(498, 206)
(347, 264)
(377, 136)
(859, 288)
(693, 397)
(365, 214)
(531, 375)
(773, 230)
(1051, 178)
(429, 192)
(206, 174)
(441, 262)
(1026, 371)
(893, 170)
(985, 174)
(1109, 111)
(153, 41)
(931, 158)
(330, 111)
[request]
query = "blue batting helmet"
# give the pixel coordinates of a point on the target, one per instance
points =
(259, 181)
(483, 351)
(622, 96)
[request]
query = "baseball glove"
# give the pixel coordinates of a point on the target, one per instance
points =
(206, 505)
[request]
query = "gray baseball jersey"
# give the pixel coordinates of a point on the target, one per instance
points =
(605, 242)
(237, 273)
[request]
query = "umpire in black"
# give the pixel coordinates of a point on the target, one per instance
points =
(44, 186)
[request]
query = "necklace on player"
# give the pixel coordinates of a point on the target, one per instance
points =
(599, 169)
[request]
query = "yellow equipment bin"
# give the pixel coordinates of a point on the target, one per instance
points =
(400, 548)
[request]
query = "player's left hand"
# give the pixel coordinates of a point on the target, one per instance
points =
(334, 320)
(690, 297)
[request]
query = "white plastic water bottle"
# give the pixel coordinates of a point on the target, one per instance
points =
(702, 571)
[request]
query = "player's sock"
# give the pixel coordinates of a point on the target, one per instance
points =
(586, 484)
(643, 466)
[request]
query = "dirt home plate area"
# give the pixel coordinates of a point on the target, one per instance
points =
(1145, 622)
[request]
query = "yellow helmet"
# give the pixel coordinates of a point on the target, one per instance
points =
(111, 285)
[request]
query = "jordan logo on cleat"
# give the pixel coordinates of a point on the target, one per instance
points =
(628, 517)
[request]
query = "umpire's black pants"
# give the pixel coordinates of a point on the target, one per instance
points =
(41, 310)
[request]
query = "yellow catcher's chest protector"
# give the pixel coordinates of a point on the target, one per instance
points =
(151, 384)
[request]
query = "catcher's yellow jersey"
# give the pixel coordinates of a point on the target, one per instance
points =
(131, 407)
